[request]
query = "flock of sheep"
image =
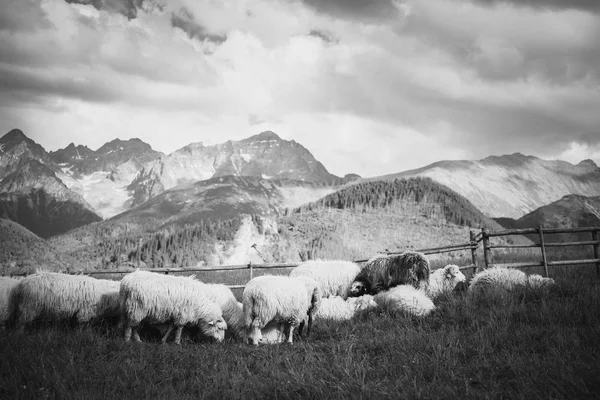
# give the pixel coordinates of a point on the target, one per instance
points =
(272, 308)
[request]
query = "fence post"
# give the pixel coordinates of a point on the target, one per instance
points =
(487, 256)
(596, 251)
(251, 270)
(473, 250)
(543, 247)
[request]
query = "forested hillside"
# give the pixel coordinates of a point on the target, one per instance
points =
(115, 245)
(375, 195)
(23, 251)
(361, 220)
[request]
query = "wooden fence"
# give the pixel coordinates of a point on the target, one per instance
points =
(472, 246)
(542, 245)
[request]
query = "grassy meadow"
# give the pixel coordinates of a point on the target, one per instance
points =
(522, 346)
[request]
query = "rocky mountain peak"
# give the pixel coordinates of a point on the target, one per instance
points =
(266, 135)
(118, 144)
(14, 135)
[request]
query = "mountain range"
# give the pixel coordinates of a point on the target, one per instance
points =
(99, 205)
(511, 185)
(51, 193)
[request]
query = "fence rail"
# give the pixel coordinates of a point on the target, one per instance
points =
(542, 245)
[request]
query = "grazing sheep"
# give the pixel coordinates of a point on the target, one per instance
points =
(405, 298)
(337, 309)
(279, 299)
(505, 279)
(273, 333)
(178, 300)
(383, 272)
(54, 296)
(6, 287)
(233, 313)
(333, 277)
(444, 280)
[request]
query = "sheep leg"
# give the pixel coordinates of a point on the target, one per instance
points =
(167, 333)
(177, 334)
(301, 328)
(290, 341)
(309, 325)
(127, 333)
(136, 335)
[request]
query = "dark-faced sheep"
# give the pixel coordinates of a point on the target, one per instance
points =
(384, 272)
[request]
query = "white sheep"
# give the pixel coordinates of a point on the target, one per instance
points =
(405, 298)
(444, 280)
(273, 333)
(6, 288)
(156, 298)
(280, 299)
(233, 313)
(505, 279)
(334, 277)
(337, 309)
(54, 296)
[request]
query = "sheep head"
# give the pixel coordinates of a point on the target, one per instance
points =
(538, 281)
(453, 273)
(214, 329)
(359, 288)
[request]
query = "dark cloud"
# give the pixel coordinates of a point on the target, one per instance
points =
(184, 20)
(323, 35)
(128, 8)
(585, 5)
(356, 9)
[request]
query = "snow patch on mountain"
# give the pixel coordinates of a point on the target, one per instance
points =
(108, 197)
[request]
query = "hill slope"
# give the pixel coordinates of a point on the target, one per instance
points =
(23, 251)
(570, 211)
(360, 220)
(511, 185)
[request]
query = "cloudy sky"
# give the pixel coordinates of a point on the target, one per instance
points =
(368, 86)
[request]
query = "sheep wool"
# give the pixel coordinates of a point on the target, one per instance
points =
(444, 280)
(335, 308)
(54, 296)
(383, 272)
(407, 299)
(505, 279)
(233, 313)
(279, 299)
(334, 277)
(7, 286)
(156, 298)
